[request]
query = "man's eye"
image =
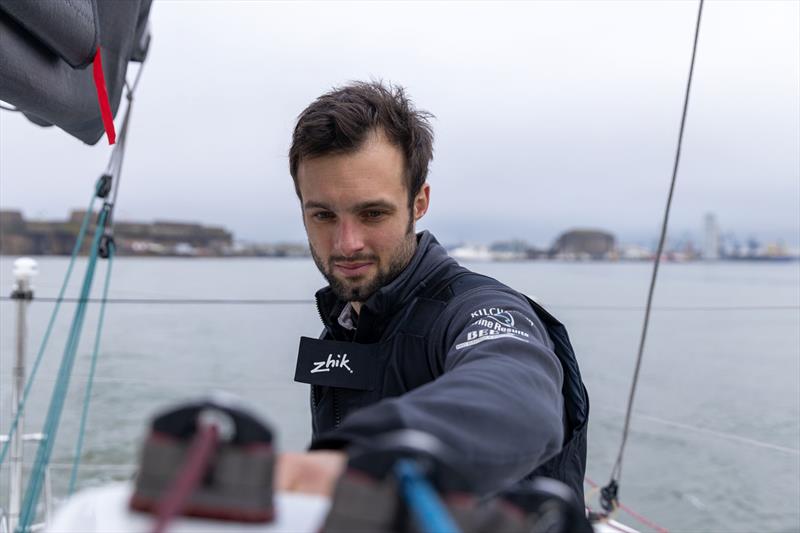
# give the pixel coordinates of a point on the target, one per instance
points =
(373, 214)
(323, 215)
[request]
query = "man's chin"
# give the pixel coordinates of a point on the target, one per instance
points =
(352, 289)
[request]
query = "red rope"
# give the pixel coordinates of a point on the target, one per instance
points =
(102, 98)
(642, 519)
(634, 514)
(189, 476)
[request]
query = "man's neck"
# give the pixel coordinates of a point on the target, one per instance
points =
(356, 307)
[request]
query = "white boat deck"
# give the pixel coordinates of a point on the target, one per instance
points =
(105, 509)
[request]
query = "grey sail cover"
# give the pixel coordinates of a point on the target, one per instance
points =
(46, 47)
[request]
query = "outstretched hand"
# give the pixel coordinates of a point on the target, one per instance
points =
(313, 472)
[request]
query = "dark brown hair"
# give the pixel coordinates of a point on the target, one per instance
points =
(339, 122)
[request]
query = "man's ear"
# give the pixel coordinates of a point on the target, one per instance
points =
(422, 201)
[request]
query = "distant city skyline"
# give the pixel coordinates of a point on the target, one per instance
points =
(698, 239)
(549, 116)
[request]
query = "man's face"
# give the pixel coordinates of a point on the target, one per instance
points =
(356, 214)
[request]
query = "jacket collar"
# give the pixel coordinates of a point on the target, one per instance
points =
(428, 260)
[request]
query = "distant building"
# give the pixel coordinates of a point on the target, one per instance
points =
(470, 252)
(36, 237)
(584, 244)
(711, 242)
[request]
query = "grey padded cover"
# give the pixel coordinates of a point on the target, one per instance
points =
(47, 89)
(69, 29)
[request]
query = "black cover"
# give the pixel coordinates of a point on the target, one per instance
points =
(45, 47)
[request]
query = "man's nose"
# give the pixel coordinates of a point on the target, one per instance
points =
(349, 238)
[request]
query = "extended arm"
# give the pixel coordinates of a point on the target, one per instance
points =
(498, 404)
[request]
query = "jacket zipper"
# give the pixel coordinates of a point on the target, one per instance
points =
(337, 415)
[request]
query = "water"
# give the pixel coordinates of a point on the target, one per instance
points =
(714, 443)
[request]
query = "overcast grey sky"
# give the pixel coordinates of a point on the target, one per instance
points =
(549, 115)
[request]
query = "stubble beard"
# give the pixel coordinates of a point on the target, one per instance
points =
(360, 289)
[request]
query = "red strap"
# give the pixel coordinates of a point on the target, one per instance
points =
(102, 98)
(189, 476)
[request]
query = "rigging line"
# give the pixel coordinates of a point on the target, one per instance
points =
(203, 301)
(295, 301)
(642, 519)
(132, 88)
(712, 432)
(117, 175)
(113, 164)
(88, 394)
(39, 356)
(722, 435)
(616, 473)
(58, 398)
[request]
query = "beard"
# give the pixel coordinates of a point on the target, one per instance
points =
(360, 289)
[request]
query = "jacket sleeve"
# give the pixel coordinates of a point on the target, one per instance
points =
(498, 404)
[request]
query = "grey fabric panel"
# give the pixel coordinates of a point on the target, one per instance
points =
(45, 87)
(141, 41)
(68, 28)
(48, 90)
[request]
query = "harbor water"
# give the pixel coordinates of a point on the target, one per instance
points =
(715, 437)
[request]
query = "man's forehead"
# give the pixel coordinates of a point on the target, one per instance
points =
(374, 173)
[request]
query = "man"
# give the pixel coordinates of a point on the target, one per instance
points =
(412, 340)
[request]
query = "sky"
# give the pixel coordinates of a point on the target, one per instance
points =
(549, 116)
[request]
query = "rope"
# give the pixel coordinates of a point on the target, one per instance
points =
(87, 397)
(427, 508)
(640, 518)
(191, 301)
(48, 331)
(198, 457)
(303, 301)
(609, 493)
(43, 453)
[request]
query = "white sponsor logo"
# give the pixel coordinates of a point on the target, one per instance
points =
(497, 326)
(340, 361)
(504, 318)
(481, 335)
(487, 311)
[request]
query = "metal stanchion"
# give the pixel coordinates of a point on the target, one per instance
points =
(25, 269)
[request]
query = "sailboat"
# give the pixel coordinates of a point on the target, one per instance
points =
(96, 79)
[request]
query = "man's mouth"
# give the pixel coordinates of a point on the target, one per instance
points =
(351, 270)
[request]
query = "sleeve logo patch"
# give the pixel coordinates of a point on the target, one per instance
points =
(481, 335)
(492, 323)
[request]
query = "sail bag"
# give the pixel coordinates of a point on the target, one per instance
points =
(46, 53)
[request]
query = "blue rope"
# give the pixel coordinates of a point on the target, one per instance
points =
(46, 338)
(426, 506)
(28, 511)
(87, 397)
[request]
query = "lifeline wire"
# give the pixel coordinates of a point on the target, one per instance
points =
(90, 381)
(304, 301)
(610, 491)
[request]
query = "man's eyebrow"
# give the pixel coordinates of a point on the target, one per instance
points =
(362, 206)
(312, 205)
(373, 204)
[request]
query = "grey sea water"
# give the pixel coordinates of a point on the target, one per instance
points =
(716, 433)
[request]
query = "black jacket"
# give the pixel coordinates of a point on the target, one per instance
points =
(458, 355)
